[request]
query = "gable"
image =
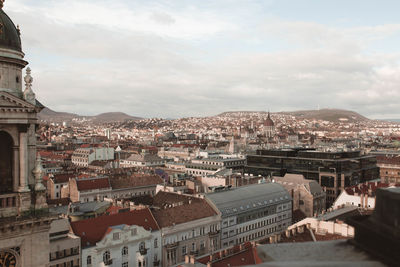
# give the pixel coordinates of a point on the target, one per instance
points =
(9, 102)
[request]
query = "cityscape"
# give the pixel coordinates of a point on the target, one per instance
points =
(199, 177)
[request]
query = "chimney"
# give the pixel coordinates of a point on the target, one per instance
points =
(192, 259)
(209, 264)
(187, 260)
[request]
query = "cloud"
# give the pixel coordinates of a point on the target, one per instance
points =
(156, 59)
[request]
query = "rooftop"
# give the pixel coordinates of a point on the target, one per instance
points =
(245, 198)
(92, 230)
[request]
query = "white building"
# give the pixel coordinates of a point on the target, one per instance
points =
(84, 156)
(142, 160)
(361, 195)
(121, 240)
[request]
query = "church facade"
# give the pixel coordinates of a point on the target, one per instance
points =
(24, 220)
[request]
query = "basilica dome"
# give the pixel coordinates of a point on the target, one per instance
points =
(9, 34)
(269, 121)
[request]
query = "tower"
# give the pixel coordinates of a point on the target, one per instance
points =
(24, 223)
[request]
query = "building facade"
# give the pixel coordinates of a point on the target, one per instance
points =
(82, 157)
(24, 221)
(252, 213)
(65, 247)
(131, 238)
(308, 196)
(332, 170)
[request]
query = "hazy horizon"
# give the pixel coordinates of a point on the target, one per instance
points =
(181, 58)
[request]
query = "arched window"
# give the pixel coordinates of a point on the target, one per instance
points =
(89, 260)
(6, 163)
(124, 251)
(106, 256)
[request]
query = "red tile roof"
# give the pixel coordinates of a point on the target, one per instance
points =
(91, 184)
(368, 188)
(62, 177)
(236, 256)
(135, 181)
(180, 212)
(93, 230)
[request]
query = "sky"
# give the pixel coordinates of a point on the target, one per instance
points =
(181, 58)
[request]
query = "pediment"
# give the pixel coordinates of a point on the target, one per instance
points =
(10, 102)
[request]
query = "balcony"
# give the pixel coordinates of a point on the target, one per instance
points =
(8, 201)
(213, 233)
(108, 262)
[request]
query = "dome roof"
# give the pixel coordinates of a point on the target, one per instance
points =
(269, 121)
(9, 34)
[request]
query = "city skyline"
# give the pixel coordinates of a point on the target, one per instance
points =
(176, 59)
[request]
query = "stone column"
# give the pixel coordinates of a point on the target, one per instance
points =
(16, 168)
(23, 162)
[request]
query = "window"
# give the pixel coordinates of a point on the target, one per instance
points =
(116, 236)
(106, 256)
(193, 246)
(89, 260)
(124, 251)
(125, 264)
(184, 250)
(133, 231)
(155, 243)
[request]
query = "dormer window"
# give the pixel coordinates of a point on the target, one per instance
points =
(116, 236)
(133, 231)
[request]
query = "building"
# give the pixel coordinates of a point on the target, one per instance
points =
(55, 182)
(65, 247)
(130, 238)
(189, 225)
(308, 196)
(240, 255)
(82, 157)
(24, 222)
(269, 127)
(81, 211)
(251, 213)
(332, 170)
(209, 166)
(389, 167)
(134, 185)
(87, 189)
(361, 195)
(142, 160)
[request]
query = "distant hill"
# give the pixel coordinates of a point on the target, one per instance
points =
(53, 116)
(334, 115)
(113, 116)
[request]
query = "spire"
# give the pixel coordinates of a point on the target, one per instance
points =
(29, 95)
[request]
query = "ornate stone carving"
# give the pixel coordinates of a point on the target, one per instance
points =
(38, 173)
(29, 95)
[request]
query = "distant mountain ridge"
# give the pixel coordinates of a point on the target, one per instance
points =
(333, 115)
(49, 115)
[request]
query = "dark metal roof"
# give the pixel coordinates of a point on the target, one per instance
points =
(9, 34)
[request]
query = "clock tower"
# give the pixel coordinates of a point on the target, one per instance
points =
(24, 220)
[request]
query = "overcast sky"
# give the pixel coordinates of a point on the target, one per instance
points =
(195, 58)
